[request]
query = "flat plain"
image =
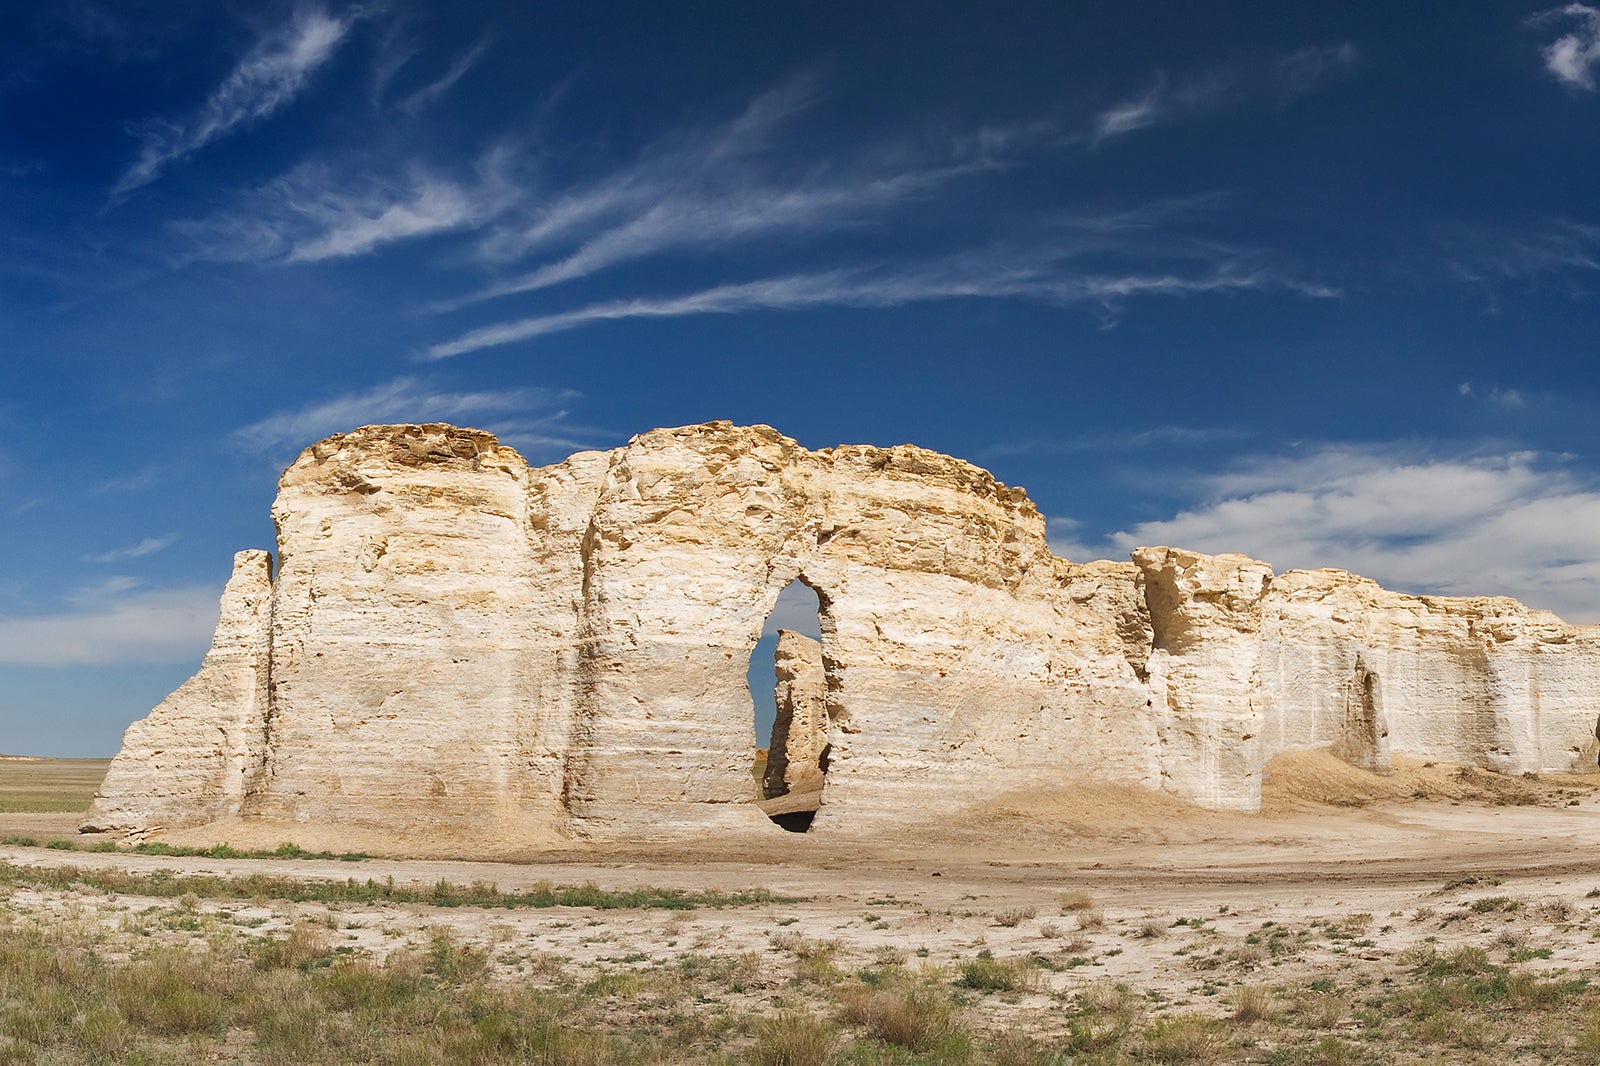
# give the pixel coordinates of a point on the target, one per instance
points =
(1439, 915)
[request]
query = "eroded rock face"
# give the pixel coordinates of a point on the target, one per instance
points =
(795, 761)
(460, 654)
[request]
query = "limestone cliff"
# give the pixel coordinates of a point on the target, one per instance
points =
(460, 653)
(796, 761)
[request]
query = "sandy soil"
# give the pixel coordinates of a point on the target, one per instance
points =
(1361, 868)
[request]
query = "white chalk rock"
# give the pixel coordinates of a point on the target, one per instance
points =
(463, 655)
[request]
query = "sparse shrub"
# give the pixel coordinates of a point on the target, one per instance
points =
(1013, 917)
(1089, 921)
(1587, 1046)
(1321, 1010)
(888, 955)
(794, 1039)
(1331, 1051)
(304, 944)
(1108, 997)
(1050, 930)
(1465, 960)
(1252, 1003)
(1181, 1038)
(1151, 929)
(915, 1017)
(1557, 911)
(1012, 1048)
(1075, 900)
(989, 974)
(1489, 904)
(1356, 924)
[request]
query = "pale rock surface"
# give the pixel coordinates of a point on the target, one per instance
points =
(460, 654)
(800, 725)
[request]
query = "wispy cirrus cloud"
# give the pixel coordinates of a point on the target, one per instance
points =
(1572, 58)
(1513, 523)
(273, 74)
(1004, 274)
(316, 213)
(146, 546)
(1172, 99)
(529, 417)
(435, 90)
(720, 186)
(1542, 246)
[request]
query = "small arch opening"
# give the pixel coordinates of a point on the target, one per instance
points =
(788, 688)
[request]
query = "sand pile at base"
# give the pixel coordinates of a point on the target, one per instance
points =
(263, 835)
(1125, 813)
(1296, 780)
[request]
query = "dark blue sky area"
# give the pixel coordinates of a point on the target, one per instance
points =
(1315, 282)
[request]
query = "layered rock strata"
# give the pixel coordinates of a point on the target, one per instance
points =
(797, 758)
(461, 653)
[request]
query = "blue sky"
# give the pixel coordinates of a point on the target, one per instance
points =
(1316, 282)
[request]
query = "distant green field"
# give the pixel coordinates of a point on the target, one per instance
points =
(49, 786)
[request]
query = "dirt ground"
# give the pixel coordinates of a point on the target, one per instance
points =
(1339, 882)
(1330, 842)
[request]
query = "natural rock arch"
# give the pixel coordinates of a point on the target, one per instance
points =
(462, 653)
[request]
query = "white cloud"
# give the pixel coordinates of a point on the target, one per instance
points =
(147, 546)
(435, 90)
(273, 74)
(167, 626)
(1002, 274)
(701, 219)
(1290, 76)
(722, 186)
(1572, 57)
(1549, 246)
(529, 413)
(1494, 396)
(1300, 71)
(1134, 114)
(1518, 524)
(315, 213)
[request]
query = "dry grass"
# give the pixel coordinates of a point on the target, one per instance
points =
(47, 786)
(1075, 900)
(915, 1017)
(1013, 916)
(794, 1039)
(1252, 1003)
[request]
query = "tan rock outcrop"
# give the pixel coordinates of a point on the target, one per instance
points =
(796, 760)
(460, 654)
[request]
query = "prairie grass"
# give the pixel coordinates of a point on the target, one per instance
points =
(794, 1039)
(989, 974)
(913, 1016)
(163, 883)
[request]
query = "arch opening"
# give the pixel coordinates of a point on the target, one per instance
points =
(788, 688)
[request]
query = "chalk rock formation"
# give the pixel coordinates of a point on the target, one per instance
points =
(460, 654)
(796, 760)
